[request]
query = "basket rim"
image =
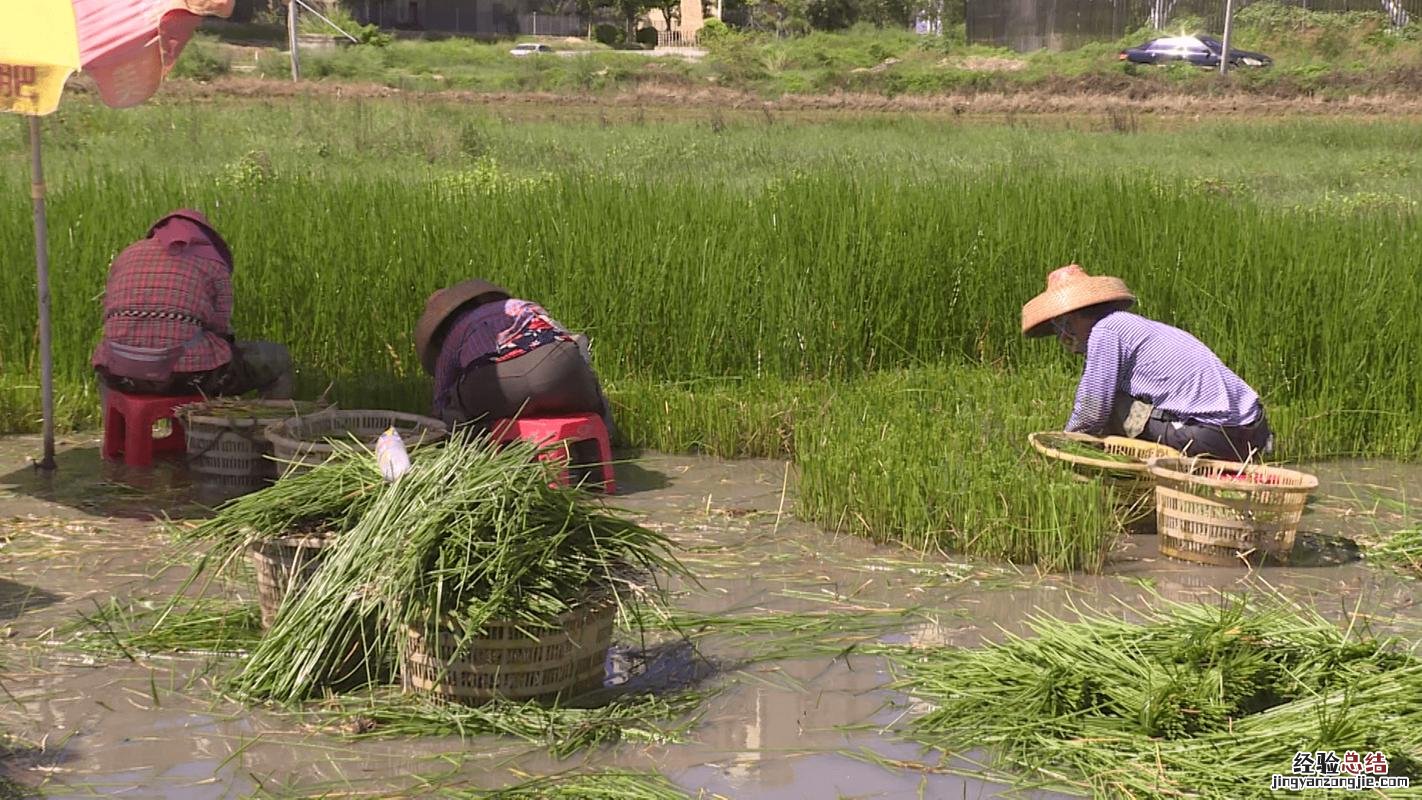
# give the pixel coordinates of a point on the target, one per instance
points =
(190, 412)
(1038, 443)
(1165, 468)
(316, 541)
(603, 602)
(277, 432)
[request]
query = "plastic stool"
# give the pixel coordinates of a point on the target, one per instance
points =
(568, 431)
(128, 426)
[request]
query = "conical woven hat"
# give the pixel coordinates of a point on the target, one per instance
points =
(1070, 289)
(440, 306)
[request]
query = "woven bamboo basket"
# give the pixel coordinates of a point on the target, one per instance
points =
(228, 452)
(300, 444)
(1133, 484)
(284, 564)
(506, 662)
(1226, 513)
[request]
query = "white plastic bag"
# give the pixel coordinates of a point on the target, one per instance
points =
(390, 455)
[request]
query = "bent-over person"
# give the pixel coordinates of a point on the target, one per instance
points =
(494, 356)
(168, 319)
(1145, 379)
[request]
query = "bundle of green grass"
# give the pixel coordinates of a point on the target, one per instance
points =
(1199, 701)
(471, 534)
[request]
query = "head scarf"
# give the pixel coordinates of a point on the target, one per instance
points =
(188, 231)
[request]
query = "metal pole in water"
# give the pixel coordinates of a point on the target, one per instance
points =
(1224, 45)
(42, 282)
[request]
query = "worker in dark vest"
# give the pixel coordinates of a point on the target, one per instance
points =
(168, 319)
(494, 356)
(1145, 379)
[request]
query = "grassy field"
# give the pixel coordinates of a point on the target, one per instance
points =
(825, 289)
(1315, 54)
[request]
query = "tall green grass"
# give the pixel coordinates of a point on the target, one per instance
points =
(934, 458)
(767, 293)
(830, 275)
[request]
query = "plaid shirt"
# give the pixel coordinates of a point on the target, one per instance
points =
(183, 289)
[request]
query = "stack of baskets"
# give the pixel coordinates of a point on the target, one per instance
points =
(1131, 481)
(506, 662)
(1227, 513)
(300, 444)
(226, 443)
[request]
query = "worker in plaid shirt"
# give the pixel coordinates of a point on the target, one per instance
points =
(168, 319)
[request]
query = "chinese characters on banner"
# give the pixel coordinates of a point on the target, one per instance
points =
(15, 79)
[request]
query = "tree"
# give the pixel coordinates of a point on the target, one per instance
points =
(630, 11)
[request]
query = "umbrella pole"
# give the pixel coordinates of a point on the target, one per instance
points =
(42, 273)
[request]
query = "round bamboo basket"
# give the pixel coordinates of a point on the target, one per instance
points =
(1133, 484)
(285, 564)
(506, 662)
(299, 443)
(228, 452)
(1227, 513)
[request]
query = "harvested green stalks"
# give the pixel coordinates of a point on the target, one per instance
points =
(236, 408)
(603, 785)
(472, 533)
(198, 626)
(1402, 550)
(1198, 702)
(644, 718)
(1074, 447)
(329, 499)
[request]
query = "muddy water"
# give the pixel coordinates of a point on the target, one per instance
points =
(777, 729)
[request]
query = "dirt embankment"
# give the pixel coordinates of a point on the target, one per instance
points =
(1088, 95)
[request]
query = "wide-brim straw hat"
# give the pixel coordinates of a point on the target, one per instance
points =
(441, 306)
(1071, 289)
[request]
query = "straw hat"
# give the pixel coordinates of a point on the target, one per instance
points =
(1070, 289)
(441, 306)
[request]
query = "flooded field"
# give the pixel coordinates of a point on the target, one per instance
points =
(775, 724)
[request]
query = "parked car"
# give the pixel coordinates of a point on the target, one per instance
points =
(1202, 51)
(530, 49)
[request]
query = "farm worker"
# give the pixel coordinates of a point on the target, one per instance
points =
(1145, 379)
(494, 356)
(168, 319)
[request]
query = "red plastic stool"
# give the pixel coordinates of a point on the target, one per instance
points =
(568, 431)
(128, 426)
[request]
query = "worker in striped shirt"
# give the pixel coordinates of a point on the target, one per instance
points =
(168, 319)
(1142, 378)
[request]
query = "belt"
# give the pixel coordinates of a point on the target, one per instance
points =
(176, 316)
(1166, 416)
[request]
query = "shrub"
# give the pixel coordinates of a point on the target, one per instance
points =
(714, 30)
(647, 36)
(201, 60)
(610, 35)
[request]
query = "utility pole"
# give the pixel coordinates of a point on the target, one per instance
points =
(1224, 45)
(291, 40)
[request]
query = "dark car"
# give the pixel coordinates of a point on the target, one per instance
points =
(1202, 51)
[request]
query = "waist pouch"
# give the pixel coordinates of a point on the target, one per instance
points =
(144, 363)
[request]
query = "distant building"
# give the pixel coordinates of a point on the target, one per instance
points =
(469, 17)
(689, 21)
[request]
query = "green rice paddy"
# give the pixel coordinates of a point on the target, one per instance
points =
(840, 290)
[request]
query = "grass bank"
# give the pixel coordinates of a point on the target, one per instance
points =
(820, 291)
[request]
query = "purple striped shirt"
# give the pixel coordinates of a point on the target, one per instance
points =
(478, 332)
(1161, 365)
